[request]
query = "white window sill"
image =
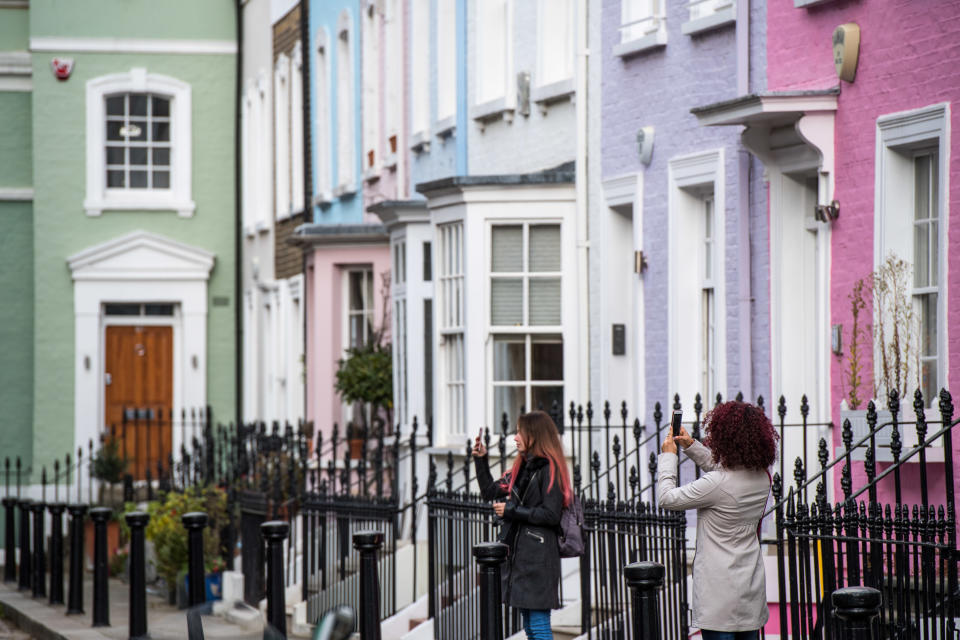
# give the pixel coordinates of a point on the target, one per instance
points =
(653, 40)
(372, 174)
(718, 19)
(343, 190)
(445, 128)
(390, 161)
(146, 201)
(322, 198)
(548, 94)
(492, 110)
(262, 226)
(248, 230)
(799, 4)
(420, 141)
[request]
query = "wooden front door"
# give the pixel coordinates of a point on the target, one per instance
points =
(138, 395)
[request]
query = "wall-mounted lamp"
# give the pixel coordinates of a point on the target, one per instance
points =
(86, 363)
(639, 262)
(827, 212)
(194, 362)
(836, 339)
(645, 145)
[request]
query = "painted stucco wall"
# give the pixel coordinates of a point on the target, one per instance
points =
(14, 29)
(908, 55)
(324, 282)
(324, 14)
(689, 71)
(61, 228)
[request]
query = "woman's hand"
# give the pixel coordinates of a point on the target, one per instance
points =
(479, 450)
(669, 446)
(498, 508)
(684, 439)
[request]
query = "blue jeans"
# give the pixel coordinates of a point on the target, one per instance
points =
(729, 635)
(536, 623)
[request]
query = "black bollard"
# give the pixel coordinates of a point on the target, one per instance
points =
(857, 607)
(275, 532)
(644, 580)
(490, 555)
(195, 521)
(101, 598)
(26, 567)
(56, 552)
(78, 513)
(10, 539)
(39, 554)
(368, 543)
(137, 521)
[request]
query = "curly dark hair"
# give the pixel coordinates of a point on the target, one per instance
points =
(741, 436)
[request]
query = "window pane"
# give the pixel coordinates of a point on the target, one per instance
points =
(115, 179)
(934, 254)
(509, 359)
(113, 130)
(546, 355)
(356, 291)
(545, 247)
(507, 400)
(544, 301)
(161, 106)
(115, 106)
(921, 254)
(427, 262)
(506, 301)
(122, 309)
(161, 157)
(507, 254)
(115, 155)
(138, 179)
(158, 309)
(161, 179)
(138, 104)
(138, 155)
(928, 324)
(137, 130)
(543, 398)
(161, 132)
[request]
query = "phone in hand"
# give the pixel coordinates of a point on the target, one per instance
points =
(675, 425)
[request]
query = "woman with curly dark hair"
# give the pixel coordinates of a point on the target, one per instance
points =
(729, 591)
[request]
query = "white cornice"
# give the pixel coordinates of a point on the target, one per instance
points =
(14, 4)
(16, 194)
(132, 45)
(16, 83)
(154, 257)
(15, 63)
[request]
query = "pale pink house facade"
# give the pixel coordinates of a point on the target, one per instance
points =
(895, 176)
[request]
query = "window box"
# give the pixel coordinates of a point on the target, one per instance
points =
(720, 17)
(343, 190)
(420, 141)
(548, 94)
(492, 110)
(653, 40)
(444, 128)
(323, 198)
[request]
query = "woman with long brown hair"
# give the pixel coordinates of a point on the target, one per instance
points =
(530, 498)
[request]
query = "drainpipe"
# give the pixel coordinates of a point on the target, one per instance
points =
(582, 193)
(238, 219)
(307, 174)
(744, 259)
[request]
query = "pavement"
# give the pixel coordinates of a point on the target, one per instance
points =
(36, 618)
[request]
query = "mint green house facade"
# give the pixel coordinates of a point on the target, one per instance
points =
(117, 190)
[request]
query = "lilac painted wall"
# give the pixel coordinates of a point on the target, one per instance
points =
(909, 56)
(658, 88)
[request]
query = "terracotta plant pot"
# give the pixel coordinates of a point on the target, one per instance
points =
(356, 448)
(370, 158)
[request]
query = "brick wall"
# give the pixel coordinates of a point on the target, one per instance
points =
(288, 259)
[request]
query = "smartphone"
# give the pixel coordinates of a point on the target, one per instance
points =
(675, 424)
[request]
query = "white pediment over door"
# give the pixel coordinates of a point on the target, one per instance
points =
(141, 255)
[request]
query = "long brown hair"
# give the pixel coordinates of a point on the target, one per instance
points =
(542, 438)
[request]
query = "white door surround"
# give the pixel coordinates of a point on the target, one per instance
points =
(139, 267)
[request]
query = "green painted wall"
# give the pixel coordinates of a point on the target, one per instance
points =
(62, 228)
(176, 19)
(14, 29)
(16, 152)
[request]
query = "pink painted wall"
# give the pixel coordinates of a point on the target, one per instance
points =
(909, 58)
(324, 284)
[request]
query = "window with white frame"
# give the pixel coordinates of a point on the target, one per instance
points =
(708, 306)
(493, 44)
(246, 141)
(420, 66)
(555, 59)
(926, 265)
(346, 149)
(446, 59)
(370, 77)
(910, 219)
(400, 357)
(359, 298)
(322, 106)
(281, 135)
(394, 75)
(525, 318)
(452, 356)
(640, 18)
(138, 143)
(296, 130)
(254, 137)
(400, 262)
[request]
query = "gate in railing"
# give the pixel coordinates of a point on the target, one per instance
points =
(908, 552)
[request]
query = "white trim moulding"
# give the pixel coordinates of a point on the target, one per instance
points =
(132, 45)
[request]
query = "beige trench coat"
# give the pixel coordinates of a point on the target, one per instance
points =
(729, 591)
